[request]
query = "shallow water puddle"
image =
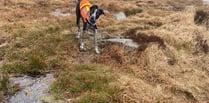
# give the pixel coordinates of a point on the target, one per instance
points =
(126, 42)
(129, 44)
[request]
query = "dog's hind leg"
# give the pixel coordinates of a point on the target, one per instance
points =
(78, 18)
(95, 42)
(79, 30)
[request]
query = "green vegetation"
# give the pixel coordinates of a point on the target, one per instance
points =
(35, 45)
(13, 90)
(90, 83)
(14, 67)
(3, 86)
(4, 83)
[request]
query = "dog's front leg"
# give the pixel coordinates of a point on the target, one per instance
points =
(83, 37)
(78, 34)
(95, 42)
(82, 41)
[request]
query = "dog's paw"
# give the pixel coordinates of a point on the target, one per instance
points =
(78, 35)
(81, 48)
(97, 51)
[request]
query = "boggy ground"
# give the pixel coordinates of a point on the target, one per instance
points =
(171, 64)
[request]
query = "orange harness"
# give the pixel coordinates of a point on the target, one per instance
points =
(85, 8)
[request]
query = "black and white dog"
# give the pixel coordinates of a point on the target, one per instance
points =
(90, 15)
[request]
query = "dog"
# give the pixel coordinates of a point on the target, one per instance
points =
(90, 15)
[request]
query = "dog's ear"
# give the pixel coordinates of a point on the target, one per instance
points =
(101, 12)
(93, 7)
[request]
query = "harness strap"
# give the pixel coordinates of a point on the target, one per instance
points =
(85, 4)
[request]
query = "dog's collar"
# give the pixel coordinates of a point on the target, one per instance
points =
(92, 24)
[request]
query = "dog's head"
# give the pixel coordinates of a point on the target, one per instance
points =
(95, 13)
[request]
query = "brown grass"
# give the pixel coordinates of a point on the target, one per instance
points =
(171, 65)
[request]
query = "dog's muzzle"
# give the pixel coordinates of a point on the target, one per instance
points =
(92, 18)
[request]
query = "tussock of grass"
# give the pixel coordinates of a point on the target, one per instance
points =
(5, 88)
(34, 65)
(88, 83)
(133, 11)
(4, 83)
(23, 62)
(14, 67)
(188, 95)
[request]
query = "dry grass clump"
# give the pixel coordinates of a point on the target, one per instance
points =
(182, 37)
(113, 55)
(118, 56)
(180, 5)
(171, 67)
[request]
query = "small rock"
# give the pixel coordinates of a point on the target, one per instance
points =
(33, 89)
(58, 13)
(121, 16)
(11, 20)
